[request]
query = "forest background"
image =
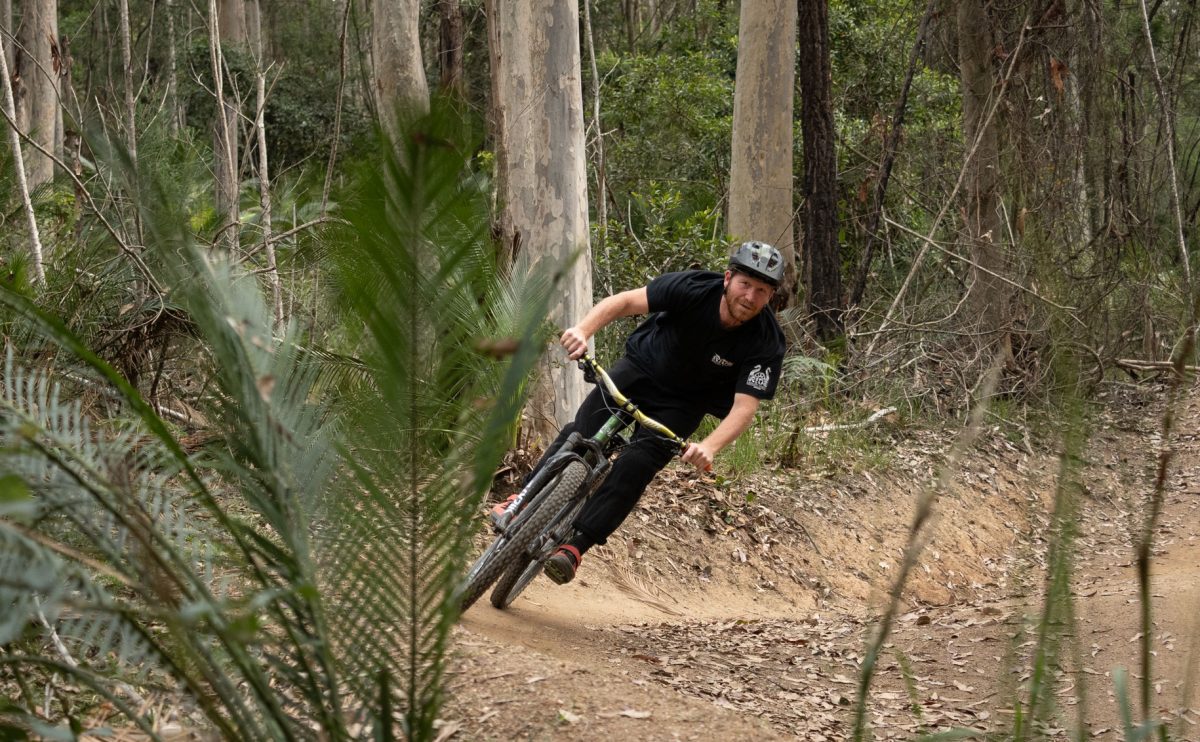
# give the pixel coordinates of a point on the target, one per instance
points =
(276, 273)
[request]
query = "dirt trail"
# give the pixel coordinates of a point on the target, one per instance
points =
(716, 614)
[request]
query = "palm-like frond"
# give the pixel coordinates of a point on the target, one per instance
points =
(311, 575)
(427, 439)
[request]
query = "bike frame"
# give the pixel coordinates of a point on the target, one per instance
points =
(558, 491)
(594, 451)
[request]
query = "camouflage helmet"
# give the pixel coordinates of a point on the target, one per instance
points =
(758, 260)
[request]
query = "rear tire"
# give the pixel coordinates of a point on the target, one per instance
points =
(509, 547)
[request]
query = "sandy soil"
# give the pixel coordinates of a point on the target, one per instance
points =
(742, 610)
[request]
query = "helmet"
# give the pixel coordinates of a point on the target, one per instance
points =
(759, 260)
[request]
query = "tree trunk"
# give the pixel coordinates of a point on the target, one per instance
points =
(988, 296)
(450, 48)
(229, 30)
(760, 176)
(174, 111)
(127, 78)
(5, 30)
(10, 115)
(824, 261)
(232, 17)
(38, 67)
(399, 72)
(541, 172)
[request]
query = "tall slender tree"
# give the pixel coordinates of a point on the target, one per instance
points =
(37, 85)
(760, 175)
(537, 99)
(988, 295)
(450, 47)
(823, 263)
(6, 31)
(399, 72)
(228, 29)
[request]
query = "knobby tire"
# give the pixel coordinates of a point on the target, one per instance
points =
(522, 571)
(509, 547)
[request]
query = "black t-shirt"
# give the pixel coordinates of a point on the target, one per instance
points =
(684, 347)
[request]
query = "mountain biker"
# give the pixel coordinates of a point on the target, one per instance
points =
(711, 345)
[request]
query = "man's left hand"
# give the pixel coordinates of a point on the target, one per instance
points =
(699, 456)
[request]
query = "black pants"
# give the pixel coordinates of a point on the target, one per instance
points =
(646, 454)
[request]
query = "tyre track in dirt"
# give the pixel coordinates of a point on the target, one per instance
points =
(627, 654)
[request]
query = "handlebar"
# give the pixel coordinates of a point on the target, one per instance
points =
(594, 372)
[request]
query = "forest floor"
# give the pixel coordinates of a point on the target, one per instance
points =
(742, 610)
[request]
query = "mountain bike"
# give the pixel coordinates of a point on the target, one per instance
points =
(540, 517)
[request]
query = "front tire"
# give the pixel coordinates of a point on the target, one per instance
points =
(509, 547)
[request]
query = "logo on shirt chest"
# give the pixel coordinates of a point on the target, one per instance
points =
(759, 378)
(719, 361)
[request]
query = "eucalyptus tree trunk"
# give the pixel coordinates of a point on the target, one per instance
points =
(760, 174)
(450, 47)
(5, 31)
(37, 94)
(823, 267)
(228, 29)
(10, 115)
(399, 73)
(127, 78)
(174, 111)
(537, 110)
(264, 171)
(988, 296)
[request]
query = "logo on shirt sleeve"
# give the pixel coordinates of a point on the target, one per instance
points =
(759, 378)
(718, 360)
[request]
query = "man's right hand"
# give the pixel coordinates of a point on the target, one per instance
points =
(575, 341)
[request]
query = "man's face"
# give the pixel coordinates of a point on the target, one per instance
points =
(745, 297)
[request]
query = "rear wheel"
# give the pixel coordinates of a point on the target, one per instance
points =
(509, 548)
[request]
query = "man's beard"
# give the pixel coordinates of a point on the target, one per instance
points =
(731, 305)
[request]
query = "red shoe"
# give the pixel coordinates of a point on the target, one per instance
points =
(500, 515)
(562, 564)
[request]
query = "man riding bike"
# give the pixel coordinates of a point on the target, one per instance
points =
(711, 345)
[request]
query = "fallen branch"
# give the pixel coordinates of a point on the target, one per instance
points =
(1133, 364)
(874, 418)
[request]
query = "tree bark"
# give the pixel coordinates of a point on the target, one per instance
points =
(988, 297)
(399, 72)
(450, 47)
(174, 112)
(824, 262)
(541, 172)
(226, 161)
(6, 28)
(760, 175)
(10, 115)
(127, 77)
(37, 91)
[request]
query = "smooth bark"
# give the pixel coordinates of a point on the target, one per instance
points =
(760, 177)
(37, 89)
(542, 176)
(400, 87)
(10, 115)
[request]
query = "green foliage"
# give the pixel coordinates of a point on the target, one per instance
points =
(267, 578)
(672, 118)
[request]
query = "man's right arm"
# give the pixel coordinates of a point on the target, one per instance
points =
(624, 304)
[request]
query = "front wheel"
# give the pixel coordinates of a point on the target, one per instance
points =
(510, 546)
(523, 571)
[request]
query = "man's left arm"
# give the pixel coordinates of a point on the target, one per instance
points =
(735, 423)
